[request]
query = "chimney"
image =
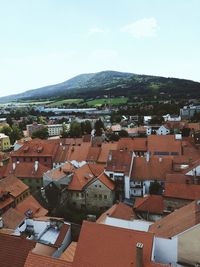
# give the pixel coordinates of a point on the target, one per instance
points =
(147, 156)
(14, 166)
(160, 159)
(36, 166)
(139, 255)
(1, 222)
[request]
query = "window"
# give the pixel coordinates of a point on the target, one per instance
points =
(82, 195)
(111, 175)
(77, 194)
(95, 195)
(99, 185)
(105, 196)
(95, 185)
(100, 196)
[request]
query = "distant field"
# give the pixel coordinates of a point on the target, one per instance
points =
(112, 101)
(66, 101)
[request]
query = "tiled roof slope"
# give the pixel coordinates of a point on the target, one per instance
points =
(14, 250)
(12, 218)
(107, 246)
(13, 185)
(182, 191)
(119, 161)
(164, 143)
(26, 170)
(35, 260)
(105, 148)
(132, 144)
(30, 203)
(106, 181)
(154, 169)
(150, 203)
(178, 221)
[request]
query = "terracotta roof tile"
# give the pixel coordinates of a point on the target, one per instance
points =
(12, 218)
(84, 175)
(154, 169)
(14, 250)
(93, 153)
(182, 191)
(99, 244)
(105, 149)
(79, 153)
(132, 144)
(26, 170)
(164, 143)
(34, 260)
(150, 203)
(31, 204)
(178, 221)
(13, 185)
(119, 161)
(106, 181)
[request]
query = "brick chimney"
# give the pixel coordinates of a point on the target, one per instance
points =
(139, 255)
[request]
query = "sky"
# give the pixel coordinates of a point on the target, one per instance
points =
(45, 42)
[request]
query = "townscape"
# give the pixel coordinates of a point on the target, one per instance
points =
(100, 133)
(80, 192)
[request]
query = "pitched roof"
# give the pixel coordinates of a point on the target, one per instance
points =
(164, 143)
(119, 161)
(178, 221)
(106, 181)
(99, 244)
(119, 211)
(93, 153)
(60, 172)
(26, 170)
(182, 191)
(154, 169)
(13, 185)
(79, 153)
(12, 218)
(84, 175)
(105, 148)
(45, 261)
(14, 250)
(132, 144)
(37, 147)
(150, 203)
(31, 204)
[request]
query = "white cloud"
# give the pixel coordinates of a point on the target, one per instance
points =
(96, 30)
(146, 27)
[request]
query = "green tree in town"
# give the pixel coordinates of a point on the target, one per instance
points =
(42, 133)
(75, 129)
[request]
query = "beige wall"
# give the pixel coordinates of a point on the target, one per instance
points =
(189, 246)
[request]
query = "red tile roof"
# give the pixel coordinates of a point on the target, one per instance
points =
(14, 250)
(154, 169)
(93, 153)
(13, 185)
(132, 144)
(26, 170)
(182, 191)
(178, 221)
(68, 254)
(12, 218)
(106, 181)
(31, 204)
(101, 245)
(164, 143)
(119, 161)
(36, 260)
(79, 153)
(119, 211)
(105, 149)
(150, 203)
(84, 175)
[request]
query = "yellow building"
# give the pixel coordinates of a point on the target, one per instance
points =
(4, 142)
